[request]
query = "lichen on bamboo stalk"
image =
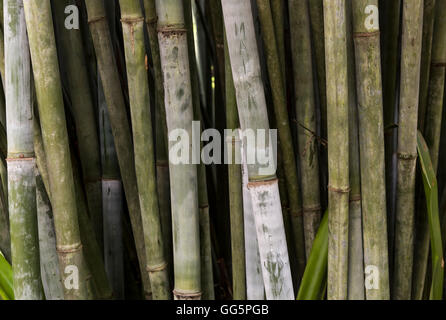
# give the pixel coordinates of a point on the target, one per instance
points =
(21, 158)
(306, 118)
(338, 151)
(263, 185)
(371, 145)
(407, 147)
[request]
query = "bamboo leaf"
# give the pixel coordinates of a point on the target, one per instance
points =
(315, 275)
(6, 287)
(431, 191)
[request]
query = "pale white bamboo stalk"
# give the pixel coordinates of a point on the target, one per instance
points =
(263, 184)
(254, 278)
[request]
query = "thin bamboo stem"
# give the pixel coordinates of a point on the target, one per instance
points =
(338, 150)
(306, 118)
(72, 53)
(133, 31)
(108, 72)
(302, 230)
(235, 188)
(371, 145)
(432, 135)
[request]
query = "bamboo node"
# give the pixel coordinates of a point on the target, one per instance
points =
(152, 21)
(407, 156)
(69, 248)
(438, 64)
(312, 209)
(132, 20)
(96, 19)
(365, 34)
(355, 197)
(157, 268)
(186, 295)
(296, 214)
(339, 190)
(255, 184)
(172, 29)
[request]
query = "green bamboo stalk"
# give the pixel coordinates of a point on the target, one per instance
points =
(306, 118)
(133, 30)
(337, 125)
(72, 53)
(390, 36)
(302, 230)
(371, 145)
(407, 153)
(120, 124)
(162, 167)
(218, 32)
(429, 13)
(172, 37)
(432, 134)
(263, 184)
(207, 282)
(278, 13)
(21, 158)
(235, 188)
(92, 252)
(55, 140)
(317, 34)
(356, 290)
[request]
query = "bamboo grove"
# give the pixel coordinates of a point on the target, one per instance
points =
(222, 149)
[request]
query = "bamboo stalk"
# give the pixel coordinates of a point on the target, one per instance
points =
(133, 31)
(432, 134)
(172, 37)
(407, 144)
(112, 201)
(72, 53)
(162, 167)
(207, 281)
(278, 14)
(120, 125)
(356, 290)
(21, 158)
(338, 162)
(302, 230)
(55, 140)
(255, 289)
(306, 118)
(390, 48)
(371, 145)
(49, 264)
(429, 13)
(235, 188)
(263, 184)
